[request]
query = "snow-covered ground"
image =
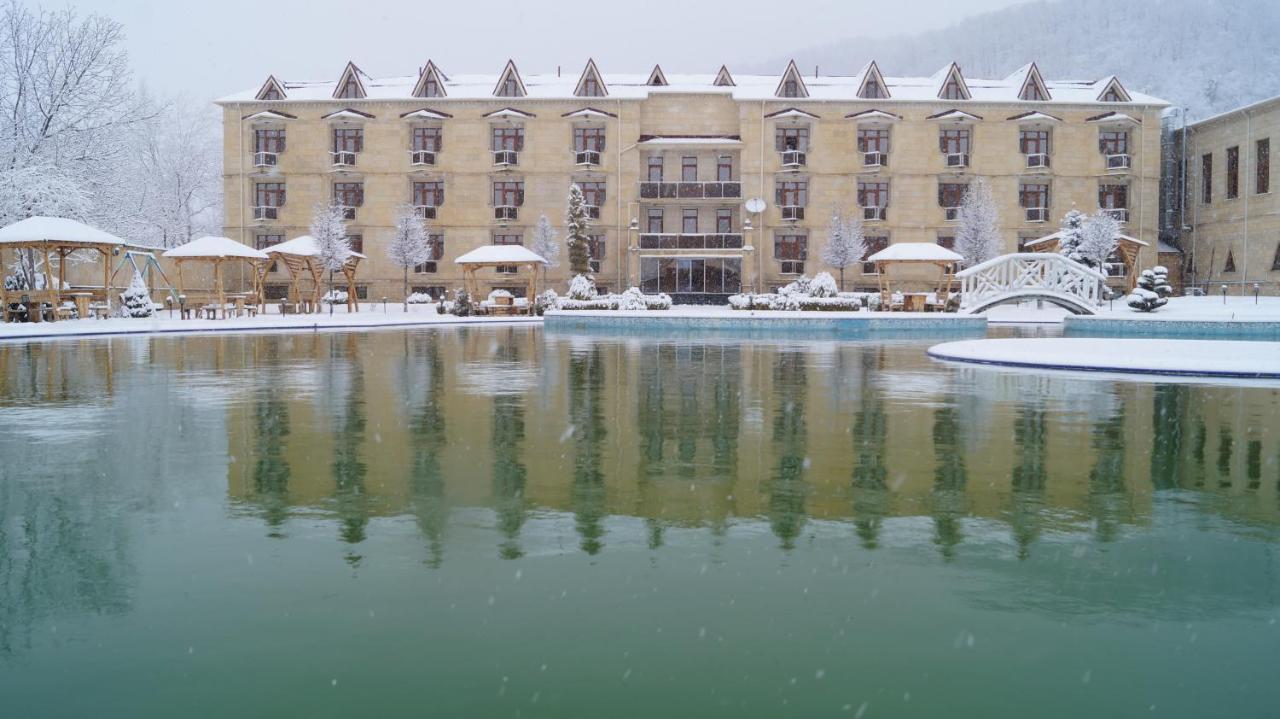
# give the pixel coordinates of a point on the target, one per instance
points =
(1199, 309)
(370, 316)
(1146, 356)
(708, 311)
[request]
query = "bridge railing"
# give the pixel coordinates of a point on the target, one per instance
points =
(1030, 273)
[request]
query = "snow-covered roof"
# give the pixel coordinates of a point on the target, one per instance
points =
(1035, 117)
(633, 86)
(689, 140)
(301, 246)
(1058, 235)
(56, 229)
(915, 252)
(215, 247)
(500, 255)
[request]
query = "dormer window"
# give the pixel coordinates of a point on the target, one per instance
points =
(952, 90)
(591, 87)
(1112, 95)
(271, 93)
(431, 87)
(509, 84)
(790, 88)
(510, 88)
(873, 90)
(1033, 93)
(350, 90)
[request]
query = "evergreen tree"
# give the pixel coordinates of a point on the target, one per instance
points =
(544, 244)
(845, 243)
(576, 222)
(1071, 235)
(1146, 297)
(136, 299)
(410, 246)
(978, 234)
(329, 230)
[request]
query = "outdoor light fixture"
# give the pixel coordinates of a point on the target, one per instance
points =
(1256, 287)
(1224, 294)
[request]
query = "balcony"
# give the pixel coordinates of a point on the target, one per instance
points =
(875, 214)
(421, 158)
(586, 158)
(875, 160)
(1037, 161)
(719, 241)
(592, 211)
(265, 159)
(690, 190)
(1037, 214)
(343, 160)
(1119, 214)
(1118, 162)
(348, 212)
(266, 213)
(794, 159)
(951, 213)
(792, 213)
(424, 212)
(505, 158)
(957, 160)
(506, 213)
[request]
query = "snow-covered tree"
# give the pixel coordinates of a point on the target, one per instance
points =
(1161, 285)
(823, 285)
(330, 233)
(410, 245)
(1100, 235)
(845, 243)
(576, 224)
(582, 287)
(978, 231)
(545, 244)
(1071, 234)
(135, 301)
(1146, 296)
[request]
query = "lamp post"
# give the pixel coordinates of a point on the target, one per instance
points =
(747, 247)
(1224, 294)
(632, 230)
(1256, 288)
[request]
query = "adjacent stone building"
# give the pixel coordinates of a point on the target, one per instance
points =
(671, 164)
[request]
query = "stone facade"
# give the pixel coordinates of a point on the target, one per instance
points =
(718, 138)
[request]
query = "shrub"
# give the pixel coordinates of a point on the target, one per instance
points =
(335, 297)
(582, 287)
(419, 298)
(461, 304)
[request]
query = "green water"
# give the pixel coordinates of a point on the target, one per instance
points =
(503, 522)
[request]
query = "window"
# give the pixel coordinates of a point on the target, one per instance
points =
(508, 193)
(690, 276)
(951, 194)
(1113, 197)
(510, 87)
(268, 194)
(588, 139)
(653, 221)
(1112, 95)
(947, 241)
(506, 137)
(1034, 142)
(1206, 178)
(1230, 264)
(272, 93)
(1033, 195)
(348, 139)
(791, 251)
(431, 88)
(1024, 240)
(593, 193)
(1233, 172)
(591, 86)
(873, 139)
(794, 193)
(791, 138)
(655, 168)
(268, 140)
(1262, 166)
(1113, 142)
(873, 194)
(873, 90)
(1275, 261)
(874, 245)
(595, 249)
(688, 169)
(507, 239)
(262, 242)
(426, 138)
(689, 221)
(428, 194)
(954, 142)
(437, 253)
(952, 90)
(724, 221)
(357, 243)
(791, 87)
(351, 90)
(348, 194)
(724, 169)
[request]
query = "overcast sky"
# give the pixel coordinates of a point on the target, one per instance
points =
(215, 47)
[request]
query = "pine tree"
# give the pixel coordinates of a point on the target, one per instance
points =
(136, 299)
(544, 244)
(410, 246)
(1146, 297)
(978, 232)
(845, 243)
(330, 233)
(1099, 237)
(1071, 234)
(576, 222)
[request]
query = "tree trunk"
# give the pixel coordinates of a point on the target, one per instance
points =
(333, 297)
(406, 289)
(842, 279)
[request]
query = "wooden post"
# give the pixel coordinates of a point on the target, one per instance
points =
(106, 278)
(217, 283)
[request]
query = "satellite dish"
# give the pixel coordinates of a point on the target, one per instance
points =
(755, 205)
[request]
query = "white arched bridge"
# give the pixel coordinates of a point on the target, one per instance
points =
(1046, 276)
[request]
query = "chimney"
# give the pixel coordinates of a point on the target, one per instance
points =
(815, 72)
(557, 71)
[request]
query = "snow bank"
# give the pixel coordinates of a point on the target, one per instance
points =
(1142, 356)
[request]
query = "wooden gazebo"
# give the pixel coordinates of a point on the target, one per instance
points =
(916, 254)
(55, 237)
(499, 256)
(301, 257)
(217, 251)
(1127, 248)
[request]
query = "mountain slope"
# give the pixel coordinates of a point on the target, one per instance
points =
(1206, 55)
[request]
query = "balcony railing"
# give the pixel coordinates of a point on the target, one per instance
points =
(422, 157)
(1118, 162)
(592, 211)
(266, 212)
(586, 157)
(794, 158)
(506, 158)
(265, 159)
(716, 241)
(792, 212)
(506, 212)
(690, 190)
(957, 159)
(875, 214)
(343, 158)
(425, 212)
(1037, 161)
(1119, 214)
(875, 159)
(1037, 214)
(951, 213)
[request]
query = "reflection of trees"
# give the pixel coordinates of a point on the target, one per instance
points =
(870, 437)
(270, 468)
(650, 432)
(949, 479)
(1029, 475)
(1226, 441)
(508, 471)
(1107, 498)
(348, 469)
(786, 487)
(427, 442)
(586, 413)
(1169, 407)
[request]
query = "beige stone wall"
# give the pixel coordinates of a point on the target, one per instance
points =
(547, 168)
(1248, 226)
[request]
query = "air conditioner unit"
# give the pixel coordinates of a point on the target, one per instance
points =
(874, 213)
(874, 159)
(506, 157)
(265, 159)
(952, 213)
(1120, 214)
(265, 213)
(1117, 162)
(1038, 159)
(1037, 214)
(958, 159)
(586, 157)
(425, 212)
(344, 159)
(506, 212)
(422, 157)
(793, 158)
(792, 212)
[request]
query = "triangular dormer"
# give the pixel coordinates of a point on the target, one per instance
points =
(657, 78)
(953, 85)
(1032, 88)
(873, 86)
(590, 84)
(509, 82)
(350, 85)
(1230, 264)
(430, 82)
(792, 84)
(1113, 91)
(271, 90)
(723, 78)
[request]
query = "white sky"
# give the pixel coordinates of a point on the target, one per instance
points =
(210, 48)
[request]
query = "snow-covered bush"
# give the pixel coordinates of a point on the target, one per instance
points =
(823, 285)
(419, 298)
(545, 301)
(633, 299)
(1161, 281)
(582, 287)
(496, 294)
(1146, 297)
(135, 301)
(462, 306)
(335, 297)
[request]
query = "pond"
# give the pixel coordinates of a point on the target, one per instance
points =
(506, 521)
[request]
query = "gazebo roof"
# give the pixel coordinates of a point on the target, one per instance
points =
(915, 252)
(301, 246)
(57, 230)
(500, 255)
(1047, 239)
(216, 248)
